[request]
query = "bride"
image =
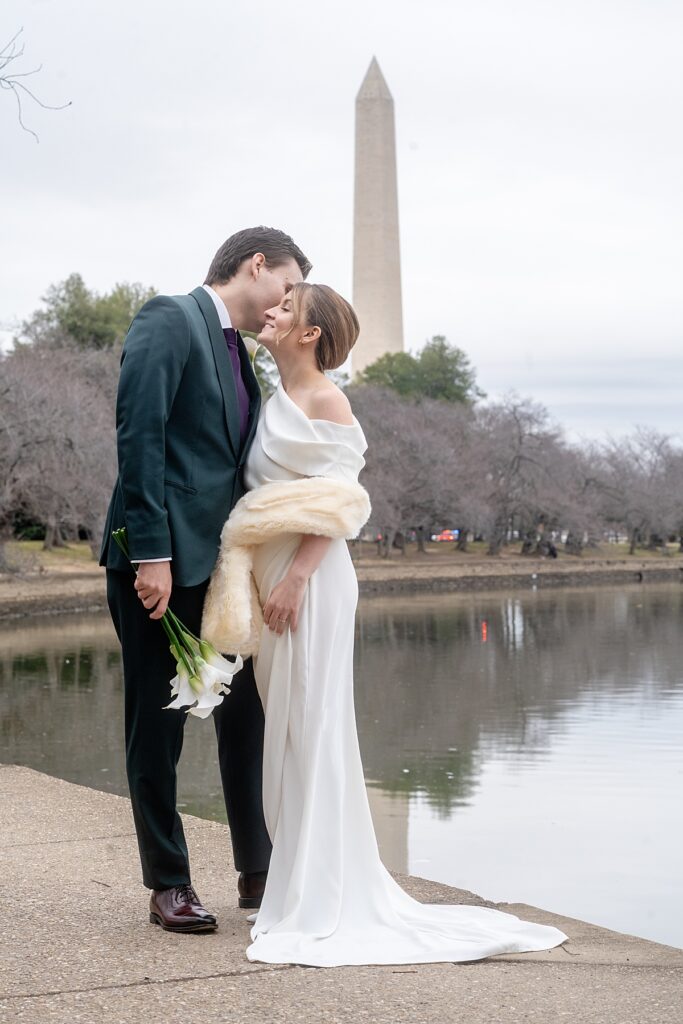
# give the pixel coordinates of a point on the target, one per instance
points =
(328, 900)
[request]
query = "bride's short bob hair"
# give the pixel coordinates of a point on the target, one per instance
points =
(317, 305)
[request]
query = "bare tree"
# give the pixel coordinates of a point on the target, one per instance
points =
(57, 446)
(12, 81)
(403, 458)
(20, 428)
(518, 445)
(640, 492)
(459, 482)
(569, 500)
(674, 471)
(497, 471)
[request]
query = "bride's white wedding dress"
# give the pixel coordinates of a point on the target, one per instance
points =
(329, 901)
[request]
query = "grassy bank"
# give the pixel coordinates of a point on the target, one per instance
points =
(69, 579)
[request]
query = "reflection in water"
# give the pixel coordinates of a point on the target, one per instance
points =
(451, 680)
(539, 738)
(501, 734)
(61, 711)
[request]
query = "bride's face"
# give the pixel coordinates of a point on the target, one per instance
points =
(278, 325)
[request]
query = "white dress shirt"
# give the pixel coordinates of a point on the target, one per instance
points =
(221, 308)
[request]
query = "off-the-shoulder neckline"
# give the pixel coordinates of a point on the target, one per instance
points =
(311, 419)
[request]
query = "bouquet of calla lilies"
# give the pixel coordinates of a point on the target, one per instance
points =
(204, 676)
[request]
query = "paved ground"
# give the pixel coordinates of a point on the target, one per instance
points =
(76, 945)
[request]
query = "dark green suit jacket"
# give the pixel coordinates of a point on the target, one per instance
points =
(178, 437)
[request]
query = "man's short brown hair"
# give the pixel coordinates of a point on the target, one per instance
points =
(276, 246)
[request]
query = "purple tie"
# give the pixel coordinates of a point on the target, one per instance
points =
(242, 397)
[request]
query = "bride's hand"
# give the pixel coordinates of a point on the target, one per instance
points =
(282, 607)
(283, 604)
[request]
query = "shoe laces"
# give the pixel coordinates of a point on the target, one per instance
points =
(186, 894)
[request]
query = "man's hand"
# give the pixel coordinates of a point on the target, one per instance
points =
(153, 584)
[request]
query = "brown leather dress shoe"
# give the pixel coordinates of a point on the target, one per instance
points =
(250, 887)
(179, 910)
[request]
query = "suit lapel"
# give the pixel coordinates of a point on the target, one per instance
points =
(226, 377)
(253, 390)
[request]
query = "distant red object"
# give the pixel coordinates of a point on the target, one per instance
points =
(446, 535)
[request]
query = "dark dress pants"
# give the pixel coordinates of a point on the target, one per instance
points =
(154, 740)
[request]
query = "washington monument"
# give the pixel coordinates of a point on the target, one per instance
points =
(376, 255)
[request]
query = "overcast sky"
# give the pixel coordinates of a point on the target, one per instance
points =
(540, 168)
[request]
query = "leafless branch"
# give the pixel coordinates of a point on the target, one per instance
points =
(9, 81)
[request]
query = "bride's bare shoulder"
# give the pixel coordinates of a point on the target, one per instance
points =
(329, 402)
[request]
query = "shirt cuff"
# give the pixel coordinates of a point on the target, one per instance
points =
(141, 560)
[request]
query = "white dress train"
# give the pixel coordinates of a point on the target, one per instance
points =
(329, 901)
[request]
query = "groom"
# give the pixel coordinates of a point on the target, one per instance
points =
(187, 408)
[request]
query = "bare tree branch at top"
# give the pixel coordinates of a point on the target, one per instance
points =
(9, 80)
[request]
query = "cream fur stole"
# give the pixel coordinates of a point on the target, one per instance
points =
(233, 619)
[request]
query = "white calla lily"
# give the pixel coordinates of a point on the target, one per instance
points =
(204, 690)
(206, 702)
(182, 690)
(204, 676)
(226, 669)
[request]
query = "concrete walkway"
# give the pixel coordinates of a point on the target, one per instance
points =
(76, 945)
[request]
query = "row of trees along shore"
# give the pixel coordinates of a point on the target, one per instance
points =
(440, 455)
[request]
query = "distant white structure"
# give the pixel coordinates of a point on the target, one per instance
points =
(376, 251)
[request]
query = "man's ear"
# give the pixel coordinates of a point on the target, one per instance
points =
(258, 262)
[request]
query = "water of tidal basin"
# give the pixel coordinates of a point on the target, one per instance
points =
(524, 745)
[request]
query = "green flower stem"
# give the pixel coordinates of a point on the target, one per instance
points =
(121, 538)
(179, 625)
(178, 644)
